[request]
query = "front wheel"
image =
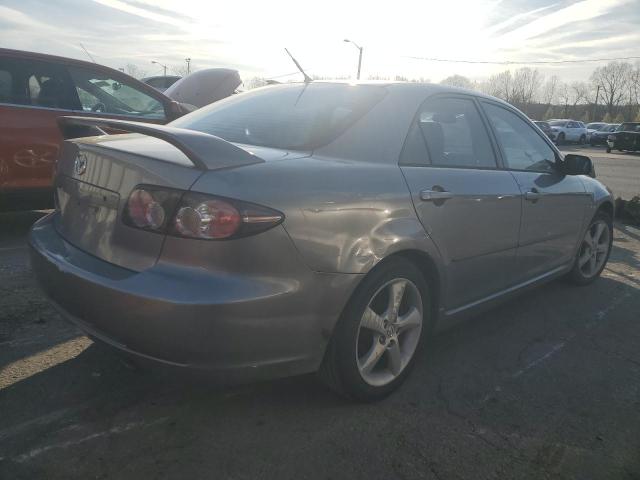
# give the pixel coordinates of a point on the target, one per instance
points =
(560, 139)
(582, 140)
(594, 250)
(375, 342)
(608, 149)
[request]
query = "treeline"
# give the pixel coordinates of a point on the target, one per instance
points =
(612, 93)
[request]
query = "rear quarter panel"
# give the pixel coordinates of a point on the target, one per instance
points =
(343, 216)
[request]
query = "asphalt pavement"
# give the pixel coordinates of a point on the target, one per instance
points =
(620, 171)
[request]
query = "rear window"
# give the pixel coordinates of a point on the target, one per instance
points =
(294, 117)
(558, 123)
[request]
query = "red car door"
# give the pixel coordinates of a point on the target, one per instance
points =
(33, 95)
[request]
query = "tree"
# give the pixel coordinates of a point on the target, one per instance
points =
(134, 71)
(549, 113)
(637, 119)
(550, 90)
(586, 118)
(254, 82)
(457, 81)
(525, 86)
(619, 118)
(500, 85)
(613, 79)
(607, 118)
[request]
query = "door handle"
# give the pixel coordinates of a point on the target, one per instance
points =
(532, 195)
(435, 195)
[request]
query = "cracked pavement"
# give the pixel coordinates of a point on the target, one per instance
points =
(544, 386)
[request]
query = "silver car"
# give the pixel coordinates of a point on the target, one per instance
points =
(323, 227)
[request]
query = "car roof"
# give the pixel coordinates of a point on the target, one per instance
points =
(410, 88)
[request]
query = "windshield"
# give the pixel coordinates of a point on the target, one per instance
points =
(558, 123)
(296, 117)
(595, 126)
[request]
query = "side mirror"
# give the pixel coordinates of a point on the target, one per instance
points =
(578, 165)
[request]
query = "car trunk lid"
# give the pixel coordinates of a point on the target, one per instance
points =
(93, 183)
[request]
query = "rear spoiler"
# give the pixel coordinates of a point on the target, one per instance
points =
(205, 151)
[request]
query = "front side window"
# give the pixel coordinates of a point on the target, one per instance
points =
(523, 147)
(99, 92)
(296, 117)
(448, 132)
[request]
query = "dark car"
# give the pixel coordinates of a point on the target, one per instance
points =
(36, 90)
(599, 137)
(626, 137)
(546, 128)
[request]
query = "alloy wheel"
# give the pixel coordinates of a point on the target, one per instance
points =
(594, 248)
(389, 331)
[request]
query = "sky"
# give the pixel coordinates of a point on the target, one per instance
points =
(250, 35)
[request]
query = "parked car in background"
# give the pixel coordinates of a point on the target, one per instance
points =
(35, 90)
(546, 128)
(592, 127)
(568, 131)
(626, 137)
(205, 86)
(161, 82)
(599, 137)
(294, 228)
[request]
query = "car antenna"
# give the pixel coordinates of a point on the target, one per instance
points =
(307, 78)
(87, 52)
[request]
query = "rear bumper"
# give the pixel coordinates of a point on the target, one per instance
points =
(234, 327)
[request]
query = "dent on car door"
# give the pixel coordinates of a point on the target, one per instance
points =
(33, 95)
(553, 204)
(470, 208)
(104, 95)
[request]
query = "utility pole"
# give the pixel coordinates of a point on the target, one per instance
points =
(359, 55)
(188, 60)
(595, 105)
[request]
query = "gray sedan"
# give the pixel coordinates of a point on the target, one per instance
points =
(310, 227)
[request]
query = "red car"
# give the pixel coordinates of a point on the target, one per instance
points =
(36, 89)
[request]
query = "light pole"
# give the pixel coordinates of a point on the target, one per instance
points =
(359, 56)
(163, 66)
(188, 60)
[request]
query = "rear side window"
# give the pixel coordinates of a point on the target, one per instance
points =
(523, 147)
(99, 92)
(35, 83)
(448, 132)
(296, 117)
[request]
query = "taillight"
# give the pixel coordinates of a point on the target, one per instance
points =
(196, 215)
(150, 207)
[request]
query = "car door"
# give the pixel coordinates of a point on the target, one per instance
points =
(33, 95)
(554, 204)
(467, 205)
(573, 131)
(103, 94)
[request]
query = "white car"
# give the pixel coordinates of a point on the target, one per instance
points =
(568, 131)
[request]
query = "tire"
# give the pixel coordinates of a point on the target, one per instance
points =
(608, 149)
(560, 138)
(582, 140)
(578, 275)
(343, 369)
